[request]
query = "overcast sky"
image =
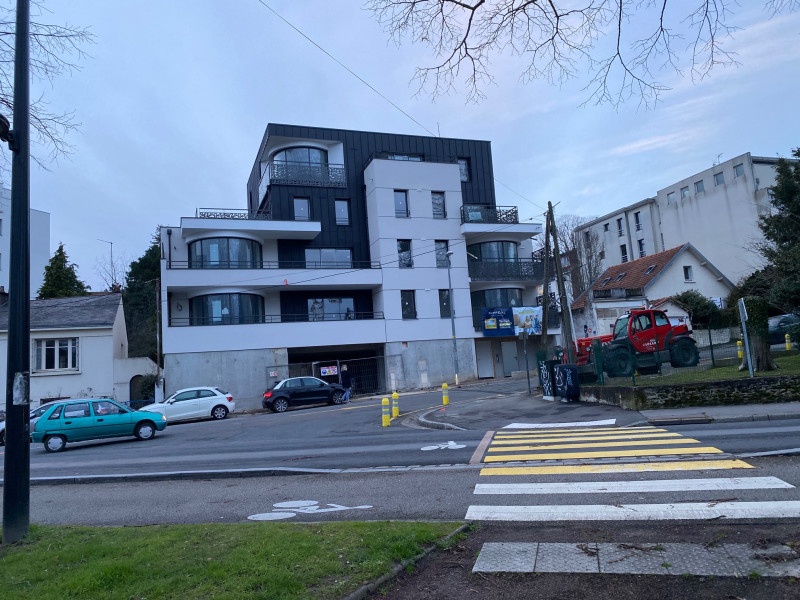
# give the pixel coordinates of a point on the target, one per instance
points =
(176, 95)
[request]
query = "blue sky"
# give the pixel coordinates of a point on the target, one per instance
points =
(175, 96)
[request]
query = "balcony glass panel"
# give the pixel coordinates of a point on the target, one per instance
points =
(225, 253)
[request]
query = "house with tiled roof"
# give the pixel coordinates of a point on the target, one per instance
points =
(648, 281)
(79, 349)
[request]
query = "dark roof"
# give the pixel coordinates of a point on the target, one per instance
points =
(70, 313)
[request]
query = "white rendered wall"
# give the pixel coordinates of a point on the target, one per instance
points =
(671, 281)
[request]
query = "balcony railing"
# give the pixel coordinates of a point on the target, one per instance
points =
(302, 173)
(261, 319)
(497, 269)
(272, 264)
(477, 213)
(230, 213)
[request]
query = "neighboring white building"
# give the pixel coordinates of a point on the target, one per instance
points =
(715, 210)
(646, 282)
(79, 349)
(342, 256)
(39, 243)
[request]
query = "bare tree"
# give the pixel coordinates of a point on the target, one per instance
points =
(621, 44)
(585, 264)
(112, 273)
(54, 50)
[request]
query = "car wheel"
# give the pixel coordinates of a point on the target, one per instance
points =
(219, 412)
(55, 443)
(145, 431)
(684, 354)
(280, 405)
(337, 397)
(618, 363)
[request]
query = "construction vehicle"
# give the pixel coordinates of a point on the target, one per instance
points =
(641, 341)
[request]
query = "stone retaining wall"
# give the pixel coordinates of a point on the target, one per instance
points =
(761, 390)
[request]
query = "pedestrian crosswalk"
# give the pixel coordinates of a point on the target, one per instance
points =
(525, 461)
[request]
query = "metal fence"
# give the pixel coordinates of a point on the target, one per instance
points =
(369, 375)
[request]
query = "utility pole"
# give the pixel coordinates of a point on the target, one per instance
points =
(546, 284)
(566, 315)
(17, 460)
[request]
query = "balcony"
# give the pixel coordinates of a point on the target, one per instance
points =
(261, 319)
(272, 264)
(301, 173)
(498, 269)
(482, 223)
(476, 213)
(238, 214)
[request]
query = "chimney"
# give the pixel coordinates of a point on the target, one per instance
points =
(3, 296)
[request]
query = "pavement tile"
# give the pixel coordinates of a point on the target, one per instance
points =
(697, 559)
(567, 558)
(622, 558)
(763, 561)
(499, 557)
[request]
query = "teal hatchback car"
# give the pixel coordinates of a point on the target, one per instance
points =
(91, 419)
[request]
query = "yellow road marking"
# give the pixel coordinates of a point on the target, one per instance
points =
(684, 465)
(593, 445)
(586, 438)
(572, 433)
(577, 430)
(602, 454)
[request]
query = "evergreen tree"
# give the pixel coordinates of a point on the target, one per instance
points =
(139, 299)
(61, 278)
(782, 232)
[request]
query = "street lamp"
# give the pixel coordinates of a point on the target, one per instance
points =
(448, 254)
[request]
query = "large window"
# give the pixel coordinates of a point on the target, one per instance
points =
(226, 309)
(342, 209)
(329, 258)
(497, 298)
(493, 251)
(438, 204)
(404, 260)
(60, 354)
(224, 253)
(330, 309)
(441, 254)
(401, 203)
(408, 304)
(301, 156)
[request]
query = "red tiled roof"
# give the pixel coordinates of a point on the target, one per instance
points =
(634, 270)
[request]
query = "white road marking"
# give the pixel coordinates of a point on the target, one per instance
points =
(614, 487)
(282, 510)
(451, 445)
(554, 425)
(637, 512)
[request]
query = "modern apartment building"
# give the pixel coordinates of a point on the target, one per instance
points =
(39, 242)
(347, 252)
(715, 210)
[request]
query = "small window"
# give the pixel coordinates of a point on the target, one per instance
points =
(104, 407)
(404, 260)
(637, 218)
(650, 269)
(661, 319)
(642, 252)
(587, 237)
(401, 203)
(620, 277)
(442, 260)
(620, 230)
(606, 227)
(342, 208)
(444, 304)
(699, 186)
(56, 413)
(623, 252)
(719, 178)
(687, 273)
(738, 171)
(397, 156)
(439, 208)
(302, 209)
(605, 281)
(408, 304)
(463, 169)
(671, 198)
(684, 192)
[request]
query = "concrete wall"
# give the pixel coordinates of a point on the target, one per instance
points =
(126, 369)
(242, 373)
(430, 363)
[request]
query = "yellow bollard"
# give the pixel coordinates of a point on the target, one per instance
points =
(739, 349)
(385, 410)
(395, 405)
(788, 342)
(445, 395)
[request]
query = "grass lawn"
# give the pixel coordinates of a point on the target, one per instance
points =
(244, 560)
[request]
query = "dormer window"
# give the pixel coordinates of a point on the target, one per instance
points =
(650, 269)
(605, 281)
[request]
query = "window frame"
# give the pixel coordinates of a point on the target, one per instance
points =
(699, 187)
(684, 192)
(688, 273)
(445, 305)
(719, 178)
(39, 352)
(408, 304)
(404, 213)
(404, 262)
(623, 252)
(620, 228)
(642, 252)
(442, 261)
(308, 208)
(738, 170)
(338, 202)
(443, 213)
(671, 197)
(464, 170)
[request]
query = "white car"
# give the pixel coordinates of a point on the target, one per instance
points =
(194, 403)
(35, 414)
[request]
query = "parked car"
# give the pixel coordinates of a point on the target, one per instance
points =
(779, 326)
(34, 416)
(297, 391)
(91, 419)
(194, 403)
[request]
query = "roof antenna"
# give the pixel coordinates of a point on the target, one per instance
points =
(716, 162)
(438, 130)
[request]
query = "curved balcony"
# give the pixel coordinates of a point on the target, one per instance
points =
(499, 269)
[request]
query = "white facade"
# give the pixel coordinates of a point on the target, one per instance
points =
(39, 243)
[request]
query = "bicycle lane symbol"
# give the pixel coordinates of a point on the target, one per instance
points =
(287, 510)
(451, 445)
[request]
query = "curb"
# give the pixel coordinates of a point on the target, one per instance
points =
(365, 590)
(700, 420)
(436, 424)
